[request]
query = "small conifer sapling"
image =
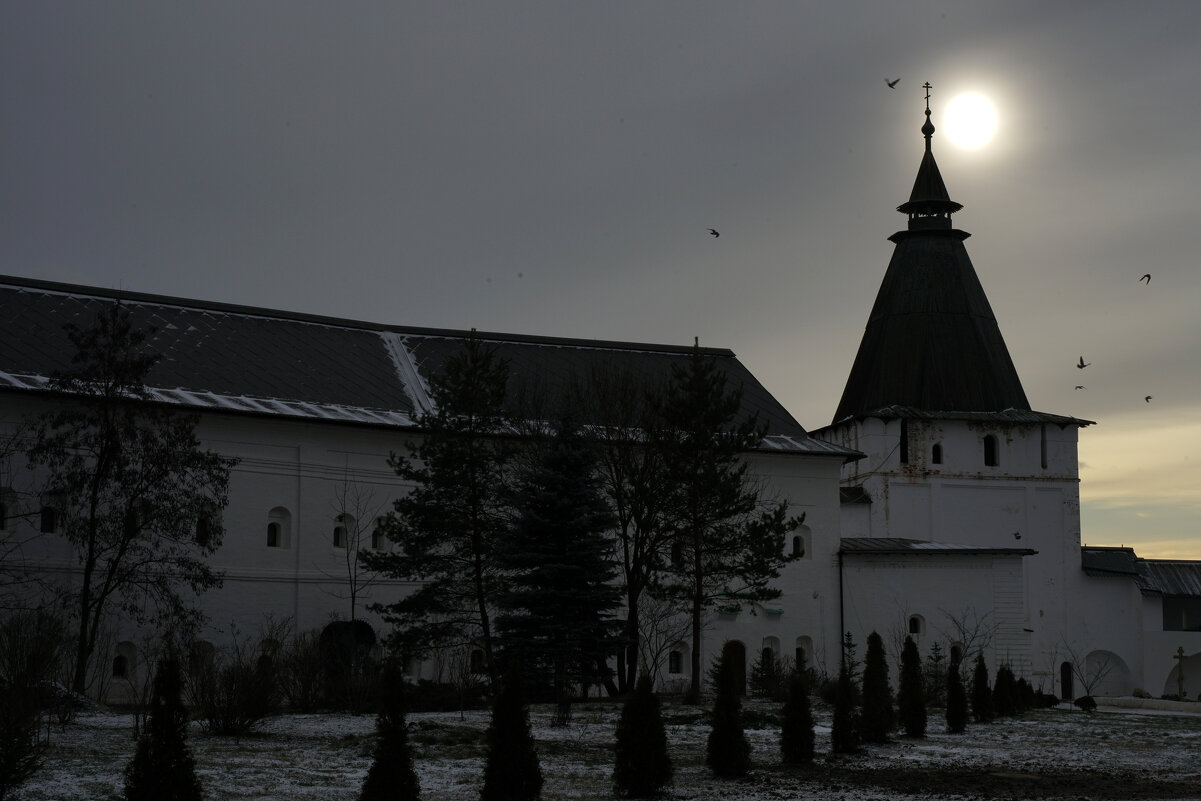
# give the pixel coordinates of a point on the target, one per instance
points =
(391, 776)
(796, 732)
(162, 768)
(956, 699)
(982, 707)
(878, 716)
(511, 771)
(643, 766)
(911, 697)
(727, 753)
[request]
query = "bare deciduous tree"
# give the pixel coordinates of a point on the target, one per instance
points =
(356, 516)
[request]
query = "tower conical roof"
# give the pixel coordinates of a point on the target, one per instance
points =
(931, 342)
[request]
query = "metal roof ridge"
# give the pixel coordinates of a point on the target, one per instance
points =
(81, 290)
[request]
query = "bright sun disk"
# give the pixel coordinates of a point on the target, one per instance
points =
(970, 120)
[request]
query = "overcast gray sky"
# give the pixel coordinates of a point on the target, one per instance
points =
(552, 168)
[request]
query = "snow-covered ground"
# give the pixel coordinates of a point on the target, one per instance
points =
(1056, 753)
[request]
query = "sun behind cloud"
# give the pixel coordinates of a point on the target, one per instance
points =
(970, 120)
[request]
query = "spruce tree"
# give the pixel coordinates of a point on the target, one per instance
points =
(446, 526)
(391, 776)
(844, 739)
(956, 699)
(557, 610)
(511, 771)
(911, 698)
(727, 753)
(643, 766)
(878, 717)
(1004, 693)
(796, 732)
(982, 708)
(730, 542)
(162, 769)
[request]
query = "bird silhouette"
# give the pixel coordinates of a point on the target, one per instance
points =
(1146, 277)
(713, 231)
(1081, 386)
(1081, 364)
(892, 84)
(1148, 398)
(1017, 535)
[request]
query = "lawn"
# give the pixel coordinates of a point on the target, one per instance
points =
(1051, 754)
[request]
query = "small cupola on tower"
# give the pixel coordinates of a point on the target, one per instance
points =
(929, 205)
(931, 341)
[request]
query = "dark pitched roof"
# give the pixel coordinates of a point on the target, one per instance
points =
(1108, 561)
(1170, 577)
(1176, 577)
(931, 340)
(897, 546)
(249, 360)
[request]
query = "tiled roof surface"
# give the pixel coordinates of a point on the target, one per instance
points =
(243, 359)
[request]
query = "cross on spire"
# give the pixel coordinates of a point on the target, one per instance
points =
(928, 128)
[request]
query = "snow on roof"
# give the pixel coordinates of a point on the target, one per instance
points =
(897, 545)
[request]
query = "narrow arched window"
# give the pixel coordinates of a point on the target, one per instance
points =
(990, 451)
(49, 520)
(798, 546)
(1042, 445)
(916, 626)
(279, 528)
(675, 662)
(342, 526)
(936, 453)
(120, 666)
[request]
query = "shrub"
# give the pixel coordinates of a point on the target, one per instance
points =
(796, 733)
(511, 772)
(982, 707)
(234, 689)
(162, 769)
(956, 699)
(391, 776)
(936, 676)
(302, 673)
(643, 766)
(29, 652)
(878, 718)
(912, 696)
(350, 680)
(727, 753)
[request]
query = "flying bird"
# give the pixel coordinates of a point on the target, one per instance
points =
(713, 231)
(892, 84)
(1148, 398)
(1146, 277)
(1017, 535)
(1081, 364)
(1081, 386)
